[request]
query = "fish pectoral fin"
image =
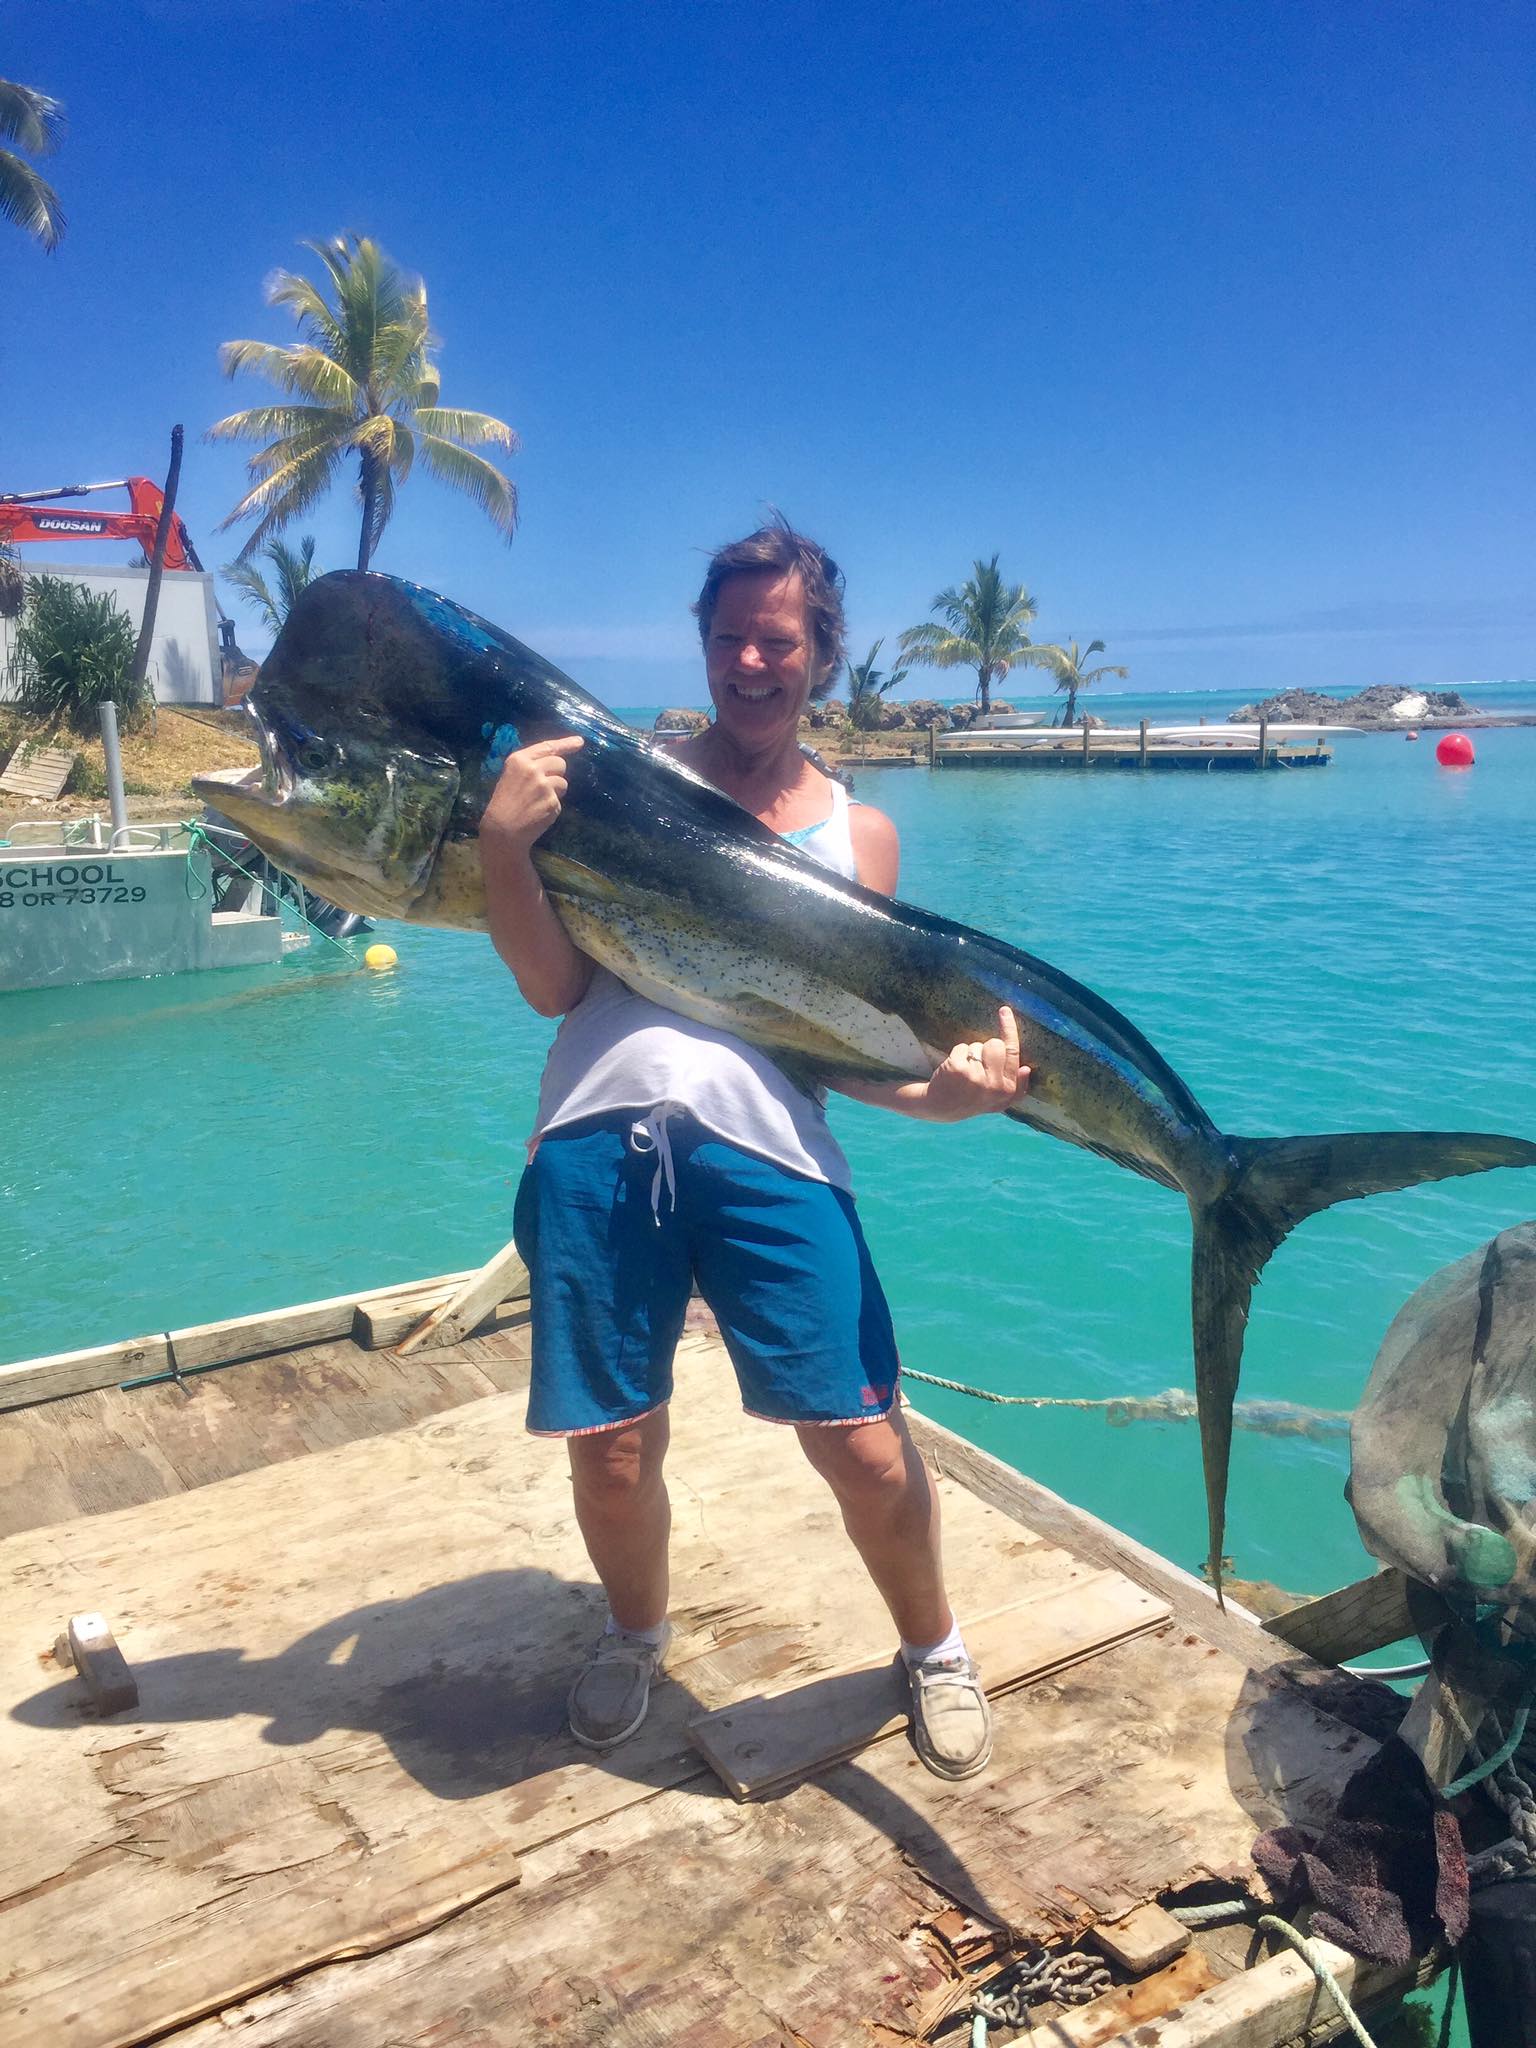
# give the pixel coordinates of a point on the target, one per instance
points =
(563, 876)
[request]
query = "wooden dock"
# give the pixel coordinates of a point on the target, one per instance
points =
(1215, 751)
(343, 1809)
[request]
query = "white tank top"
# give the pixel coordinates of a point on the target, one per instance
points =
(619, 1051)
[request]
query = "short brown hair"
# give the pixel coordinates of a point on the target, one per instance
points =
(778, 550)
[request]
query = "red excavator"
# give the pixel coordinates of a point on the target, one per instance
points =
(31, 515)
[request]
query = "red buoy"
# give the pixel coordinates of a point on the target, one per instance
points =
(1411, 733)
(1455, 751)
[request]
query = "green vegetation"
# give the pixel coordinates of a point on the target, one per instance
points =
(360, 382)
(985, 627)
(74, 652)
(35, 124)
(292, 570)
(866, 688)
(1066, 665)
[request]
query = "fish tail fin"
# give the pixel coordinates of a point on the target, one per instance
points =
(1277, 1183)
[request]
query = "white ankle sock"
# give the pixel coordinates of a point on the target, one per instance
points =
(953, 1645)
(652, 1636)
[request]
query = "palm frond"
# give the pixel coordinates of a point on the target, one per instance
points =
(30, 119)
(277, 422)
(252, 585)
(306, 302)
(30, 201)
(469, 429)
(932, 647)
(291, 489)
(480, 481)
(298, 367)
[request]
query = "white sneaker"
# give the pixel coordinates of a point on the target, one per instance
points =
(608, 1702)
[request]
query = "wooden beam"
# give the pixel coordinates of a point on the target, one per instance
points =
(1367, 1615)
(774, 1739)
(31, 1380)
(503, 1278)
(81, 1372)
(1277, 1999)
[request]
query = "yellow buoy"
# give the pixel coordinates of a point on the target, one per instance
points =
(380, 957)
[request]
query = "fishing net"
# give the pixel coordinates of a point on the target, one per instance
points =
(1443, 1447)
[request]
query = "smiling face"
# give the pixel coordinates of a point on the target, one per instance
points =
(760, 658)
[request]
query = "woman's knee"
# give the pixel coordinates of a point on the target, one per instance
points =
(870, 1461)
(614, 1470)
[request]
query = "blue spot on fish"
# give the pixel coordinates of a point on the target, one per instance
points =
(503, 739)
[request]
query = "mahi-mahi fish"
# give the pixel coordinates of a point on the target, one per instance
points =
(383, 711)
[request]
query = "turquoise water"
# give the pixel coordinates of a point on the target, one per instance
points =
(1342, 948)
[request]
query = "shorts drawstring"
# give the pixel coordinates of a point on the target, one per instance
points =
(649, 1134)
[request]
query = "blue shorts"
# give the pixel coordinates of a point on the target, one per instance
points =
(613, 1251)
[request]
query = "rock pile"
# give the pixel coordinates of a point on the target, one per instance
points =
(1384, 704)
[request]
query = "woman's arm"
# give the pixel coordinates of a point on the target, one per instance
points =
(525, 931)
(981, 1076)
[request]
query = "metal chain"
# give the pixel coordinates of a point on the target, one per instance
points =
(1064, 1978)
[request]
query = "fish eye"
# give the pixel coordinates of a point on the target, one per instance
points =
(314, 754)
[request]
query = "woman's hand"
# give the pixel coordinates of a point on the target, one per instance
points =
(984, 1074)
(528, 794)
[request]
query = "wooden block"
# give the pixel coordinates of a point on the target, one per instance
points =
(92, 1648)
(502, 1278)
(1367, 1615)
(1142, 1939)
(81, 1372)
(384, 1318)
(1125, 2014)
(776, 1738)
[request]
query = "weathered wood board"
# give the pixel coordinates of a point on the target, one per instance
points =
(352, 1670)
(802, 1918)
(112, 1448)
(757, 1744)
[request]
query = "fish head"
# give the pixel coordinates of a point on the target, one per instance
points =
(355, 789)
(354, 812)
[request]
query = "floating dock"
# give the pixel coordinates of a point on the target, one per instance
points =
(328, 1800)
(1202, 749)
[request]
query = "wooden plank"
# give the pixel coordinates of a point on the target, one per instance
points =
(1267, 2005)
(37, 771)
(77, 1372)
(499, 1279)
(758, 1744)
(804, 1918)
(280, 1329)
(352, 1671)
(1384, 1608)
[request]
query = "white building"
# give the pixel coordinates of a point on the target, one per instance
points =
(184, 655)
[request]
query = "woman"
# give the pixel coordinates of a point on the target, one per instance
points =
(666, 1151)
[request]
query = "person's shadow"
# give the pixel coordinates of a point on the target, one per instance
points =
(465, 1682)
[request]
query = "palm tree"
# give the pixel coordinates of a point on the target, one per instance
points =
(1066, 665)
(34, 122)
(986, 630)
(363, 384)
(866, 687)
(292, 569)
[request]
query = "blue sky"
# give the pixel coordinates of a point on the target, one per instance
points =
(1216, 321)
